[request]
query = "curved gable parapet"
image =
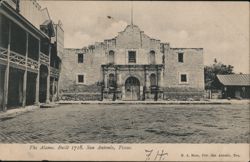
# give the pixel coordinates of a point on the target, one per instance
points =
(133, 38)
(130, 38)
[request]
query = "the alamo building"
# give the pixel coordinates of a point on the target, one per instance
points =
(132, 66)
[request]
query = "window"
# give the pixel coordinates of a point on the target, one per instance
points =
(80, 79)
(180, 57)
(183, 78)
(152, 57)
(131, 57)
(80, 58)
(111, 57)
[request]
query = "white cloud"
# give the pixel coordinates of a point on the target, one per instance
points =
(114, 28)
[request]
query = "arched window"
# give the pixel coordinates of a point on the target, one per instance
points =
(153, 80)
(152, 57)
(111, 57)
(111, 82)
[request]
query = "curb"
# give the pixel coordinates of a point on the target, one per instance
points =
(147, 103)
(15, 112)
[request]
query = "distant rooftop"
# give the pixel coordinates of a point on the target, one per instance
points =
(235, 79)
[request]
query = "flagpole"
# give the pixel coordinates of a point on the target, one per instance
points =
(132, 13)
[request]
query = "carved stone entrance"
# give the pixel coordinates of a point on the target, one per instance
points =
(132, 89)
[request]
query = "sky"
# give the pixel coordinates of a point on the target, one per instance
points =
(221, 28)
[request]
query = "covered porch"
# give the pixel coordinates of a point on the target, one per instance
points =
(23, 50)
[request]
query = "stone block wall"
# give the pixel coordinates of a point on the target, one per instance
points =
(132, 38)
(183, 93)
(192, 66)
(90, 68)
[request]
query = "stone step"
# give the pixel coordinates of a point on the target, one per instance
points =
(48, 105)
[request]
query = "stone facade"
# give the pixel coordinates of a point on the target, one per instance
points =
(133, 66)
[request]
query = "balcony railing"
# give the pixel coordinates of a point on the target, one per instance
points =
(17, 58)
(54, 72)
(33, 64)
(3, 54)
(44, 58)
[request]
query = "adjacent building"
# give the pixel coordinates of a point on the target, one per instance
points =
(132, 66)
(30, 48)
(234, 85)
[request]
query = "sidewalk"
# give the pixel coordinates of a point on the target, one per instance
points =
(17, 111)
(149, 102)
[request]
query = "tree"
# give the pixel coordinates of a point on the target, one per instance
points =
(211, 71)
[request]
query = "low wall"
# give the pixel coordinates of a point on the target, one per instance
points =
(81, 88)
(80, 92)
(93, 93)
(81, 96)
(183, 94)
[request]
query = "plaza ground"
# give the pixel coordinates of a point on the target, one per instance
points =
(95, 123)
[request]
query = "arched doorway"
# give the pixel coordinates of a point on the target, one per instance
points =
(132, 89)
(43, 83)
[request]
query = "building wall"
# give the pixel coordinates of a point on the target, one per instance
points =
(33, 12)
(97, 54)
(132, 38)
(90, 68)
(192, 66)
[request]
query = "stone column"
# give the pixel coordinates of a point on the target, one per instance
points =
(105, 80)
(141, 92)
(147, 80)
(161, 78)
(6, 73)
(147, 85)
(157, 76)
(25, 72)
(117, 76)
(123, 92)
(48, 78)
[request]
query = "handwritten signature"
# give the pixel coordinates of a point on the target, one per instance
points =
(155, 155)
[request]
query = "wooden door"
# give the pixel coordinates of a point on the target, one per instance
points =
(132, 89)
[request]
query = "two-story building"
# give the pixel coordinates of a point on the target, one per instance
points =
(132, 66)
(30, 46)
